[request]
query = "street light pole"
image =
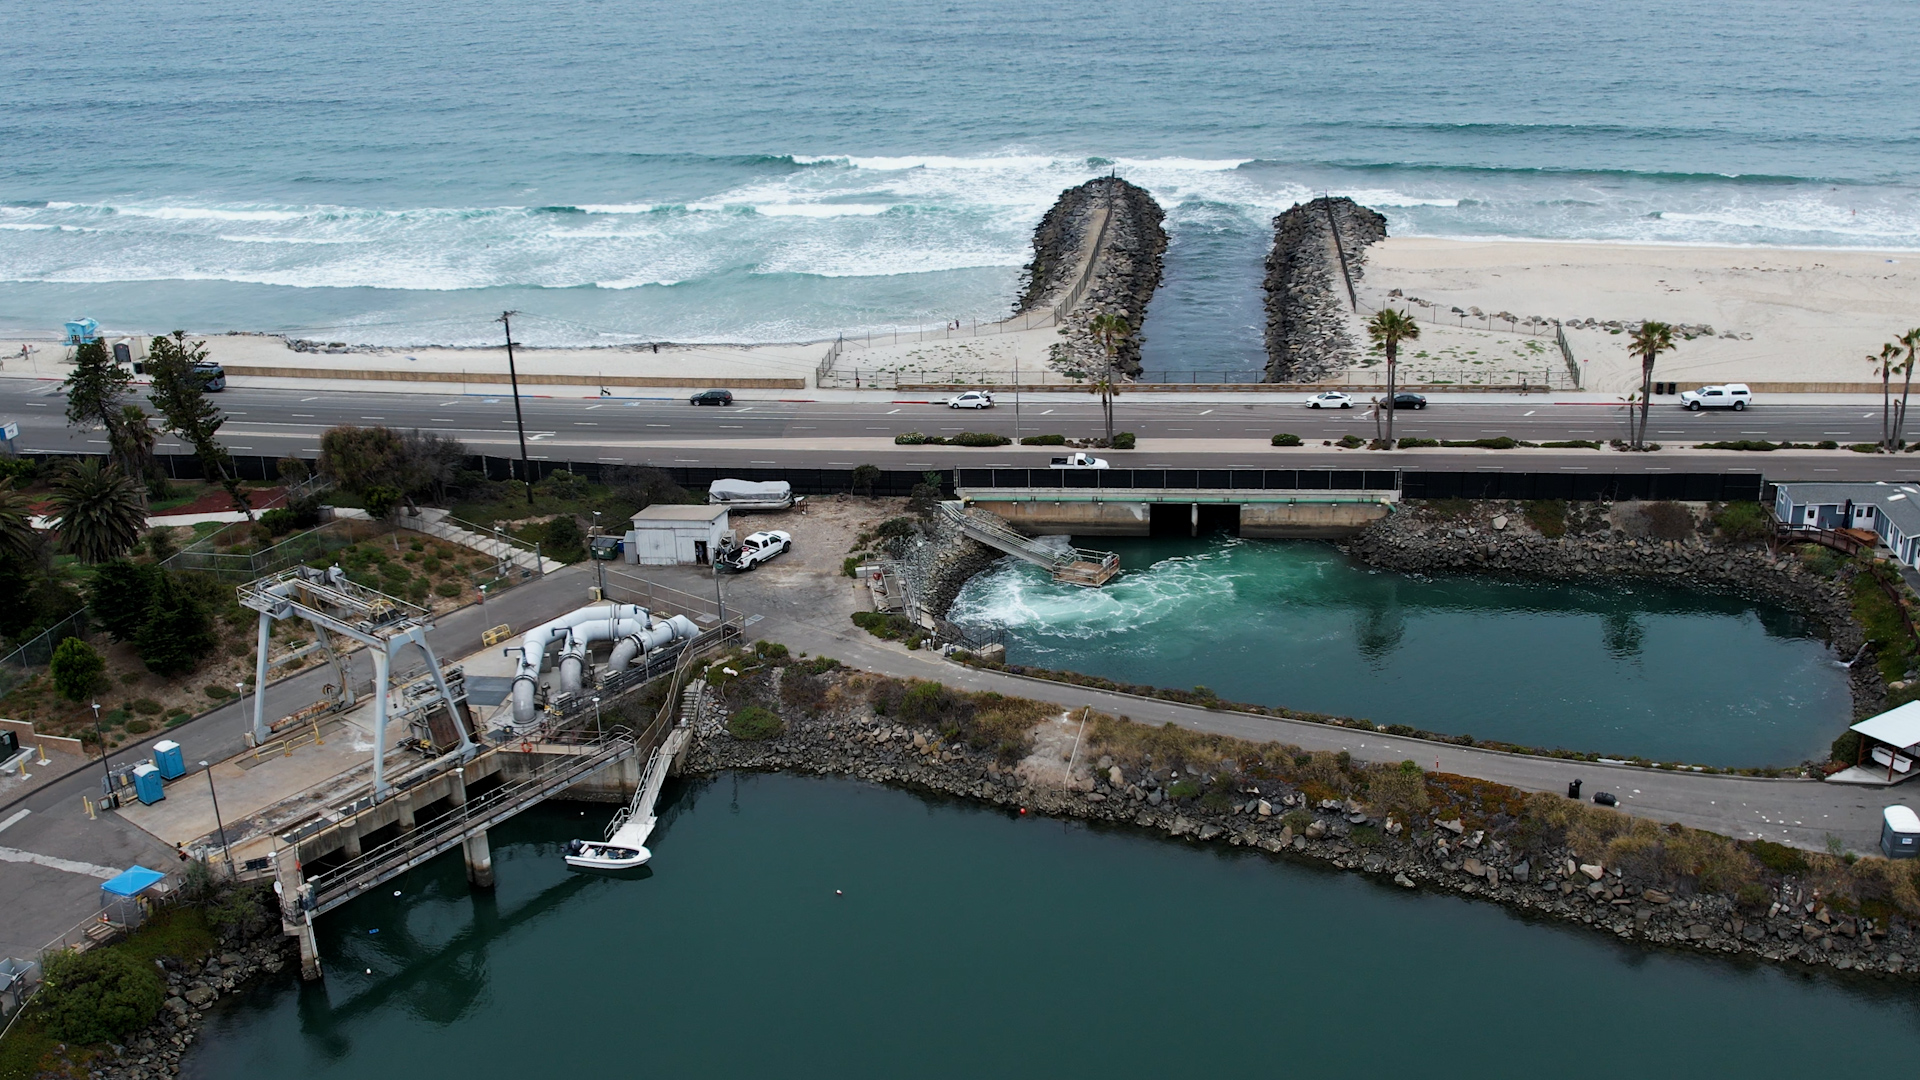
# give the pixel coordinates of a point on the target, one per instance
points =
(718, 596)
(599, 564)
(102, 736)
(519, 421)
(224, 849)
(597, 733)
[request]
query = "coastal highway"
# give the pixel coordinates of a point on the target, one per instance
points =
(767, 431)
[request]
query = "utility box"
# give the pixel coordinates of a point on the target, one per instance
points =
(1899, 833)
(9, 745)
(147, 785)
(169, 760)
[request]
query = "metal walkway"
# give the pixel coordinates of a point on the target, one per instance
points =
(410, 849)
(1071, 565)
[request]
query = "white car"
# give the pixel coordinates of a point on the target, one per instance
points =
(758, 548)
(972, 399)
(1733, 396)
(1332, 399)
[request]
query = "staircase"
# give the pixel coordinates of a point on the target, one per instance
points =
(1070, 566)
(437, 522)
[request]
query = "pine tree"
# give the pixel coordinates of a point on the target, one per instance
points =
(179, 393)
(120, 593)
(178, 630)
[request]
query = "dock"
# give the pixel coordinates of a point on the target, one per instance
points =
(1068, 565)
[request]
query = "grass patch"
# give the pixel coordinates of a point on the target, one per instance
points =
(755, 723)
(1548, 516)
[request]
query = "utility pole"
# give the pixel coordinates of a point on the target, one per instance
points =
(519, 422)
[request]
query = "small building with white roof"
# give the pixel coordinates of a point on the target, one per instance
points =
(1890, 511)
(669, 534)
(1889, 747)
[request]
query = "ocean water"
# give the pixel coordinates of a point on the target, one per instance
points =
(1632, 669)
(631, 170)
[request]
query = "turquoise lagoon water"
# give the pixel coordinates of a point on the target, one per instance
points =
(1629, 669)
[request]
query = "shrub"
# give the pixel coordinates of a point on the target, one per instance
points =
(448, 589)
(216, 691)
(850, 566)
(97, 996)
(1668, 521)
(1351, 441)
(1778, 858)
(160, 543)
(979, 438)
(1412, 443)
(1285, 439)
(564, 541)
(888, 626)
(1123, 440)
(1502, 442)
(1548, 516)
(1572, 444)
(119, 594)
(1183, 789)
(1044, 440)
(1865, 448)
(910, 438)
(802, 692)
(1846, 748)
(755, 723)
(146, 705)
(279, 521)
(1747, 521)
(78, 669)
(771, 651)
(139, 727)
(864, 477)
(898, 526)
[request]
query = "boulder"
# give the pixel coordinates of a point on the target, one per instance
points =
(1594, 871)
(1403, 881)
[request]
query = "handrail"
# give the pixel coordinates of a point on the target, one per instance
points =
(369, 868)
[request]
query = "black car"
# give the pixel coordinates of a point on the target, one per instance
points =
(1409, 401)
(712, 397)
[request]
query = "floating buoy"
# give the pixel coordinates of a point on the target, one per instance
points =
(1023, 811)
(369, 971)
(837, 892)
(375, 930)
(396, 892)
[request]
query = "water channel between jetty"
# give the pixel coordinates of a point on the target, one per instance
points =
(975, 942)
(1627, 668)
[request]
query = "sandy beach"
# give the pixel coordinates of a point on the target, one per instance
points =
(1777, 315)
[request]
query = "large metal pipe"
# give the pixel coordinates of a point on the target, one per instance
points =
(573, 655)
(678, 628)
(533, 648)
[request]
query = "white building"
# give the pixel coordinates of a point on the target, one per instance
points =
(665, 535)
(1892, 511)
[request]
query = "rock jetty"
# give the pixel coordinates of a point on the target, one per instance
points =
(1118, 226)
(1308, 310)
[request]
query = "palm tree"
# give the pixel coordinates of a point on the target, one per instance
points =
(1109, 330)
(1911, 339)
(1884, 366)
(1388, 328)
(98, 511)
(16, 522)
(1648, 342)
(132, 440)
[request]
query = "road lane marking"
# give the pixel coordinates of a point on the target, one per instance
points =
(316, 398)
(444, 404)
(308, 415)
(890, 412)
(1049, 412)
(1529, 412)
(590, 408)
(585, 423)
(1205, 413)
(14, 818)
(439, 419)
(104, 873)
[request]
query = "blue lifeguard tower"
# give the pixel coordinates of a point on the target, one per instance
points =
(82, 331)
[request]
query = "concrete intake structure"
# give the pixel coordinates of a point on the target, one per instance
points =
(1317, 514)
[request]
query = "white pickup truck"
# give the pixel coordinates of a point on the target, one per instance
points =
(1733, 396)
(1078, 460)
(758, 548)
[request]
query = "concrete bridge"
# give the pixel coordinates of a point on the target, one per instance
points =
(1261, 503)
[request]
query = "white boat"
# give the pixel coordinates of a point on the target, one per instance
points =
(625, 845)
(624, 848)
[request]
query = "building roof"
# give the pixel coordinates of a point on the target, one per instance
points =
(1829, 491)
(678, 512)
(1896, 727)
(132, 881)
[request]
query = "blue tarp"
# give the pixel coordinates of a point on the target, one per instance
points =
(132, 881)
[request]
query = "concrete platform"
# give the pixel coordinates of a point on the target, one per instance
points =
(1875, 777)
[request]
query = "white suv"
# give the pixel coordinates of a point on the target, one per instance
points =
(1733, 396)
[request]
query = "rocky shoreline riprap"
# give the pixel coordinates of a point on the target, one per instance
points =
(192, 988)
(1307, 302)
(1467, 847)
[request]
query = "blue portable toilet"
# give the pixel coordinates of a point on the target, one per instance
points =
(1899, 833)
(169, 760)
(147, 783)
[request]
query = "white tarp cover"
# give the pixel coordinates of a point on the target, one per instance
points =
(721, 491)
(1896, 727)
